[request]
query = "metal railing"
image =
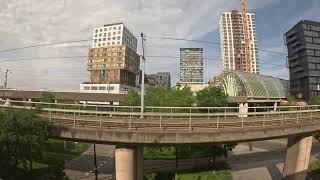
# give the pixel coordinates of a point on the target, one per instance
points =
(169, 118)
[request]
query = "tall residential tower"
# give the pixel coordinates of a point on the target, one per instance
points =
(191, 66)
(233, 50)
(303, 43)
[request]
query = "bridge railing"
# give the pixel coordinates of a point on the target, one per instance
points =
(165, 111)
(166, 117)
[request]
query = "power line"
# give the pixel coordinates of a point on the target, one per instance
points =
(150, 56)
(182, 39)
(46, 44)
(150, 37)
(207, 42)
(41, 58)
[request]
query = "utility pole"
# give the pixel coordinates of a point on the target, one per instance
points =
(143, 60)
(95, 162)
(6, 78)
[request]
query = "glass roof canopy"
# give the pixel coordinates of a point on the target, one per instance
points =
(235, 83)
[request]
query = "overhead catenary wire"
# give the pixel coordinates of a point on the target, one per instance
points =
(150, 37)
(149, 56)
(209, 42)
(45, 44)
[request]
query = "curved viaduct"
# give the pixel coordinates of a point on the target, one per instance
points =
(130, 130)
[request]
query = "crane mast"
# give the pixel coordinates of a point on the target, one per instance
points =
(246, 33)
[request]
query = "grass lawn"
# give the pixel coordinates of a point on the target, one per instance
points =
(52, 163)
(207, 175)
(314, 169)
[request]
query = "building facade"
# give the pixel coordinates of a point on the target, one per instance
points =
(112, 35)
(113, 64)
(233, 50)
(113, 60)
(303, 44)
(161, 80)
(191, 66)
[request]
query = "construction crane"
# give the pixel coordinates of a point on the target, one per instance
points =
(246, 33)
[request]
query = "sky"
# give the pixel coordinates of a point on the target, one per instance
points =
(32, 22)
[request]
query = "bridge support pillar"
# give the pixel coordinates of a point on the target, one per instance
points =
(8, 102)
(297, 157)
(275, 106)
(129, 163)
(243, 109)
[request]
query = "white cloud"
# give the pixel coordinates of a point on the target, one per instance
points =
(26, 22)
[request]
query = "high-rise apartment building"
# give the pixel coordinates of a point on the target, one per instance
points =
(113, 61)
(191, 66)
(303, 44)
(112, 35)
(233, 49)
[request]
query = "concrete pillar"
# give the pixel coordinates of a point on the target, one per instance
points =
(129, 163)
(140, 162)
(7, 103)
(243, 108)
(30, 102)
(297, 157)
(275, 106)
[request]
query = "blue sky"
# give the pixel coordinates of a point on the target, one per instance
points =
(27, 22)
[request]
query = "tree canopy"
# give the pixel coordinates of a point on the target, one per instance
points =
(162, 97)
(211, 97)
(22, 137)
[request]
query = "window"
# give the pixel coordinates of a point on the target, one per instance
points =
(102, 88)
(118, 37)
(110, 88)
(94, 88)
(114, 33)
(119, 28)
(86, 88)
(114, 28)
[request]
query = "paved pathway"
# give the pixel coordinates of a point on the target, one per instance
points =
(265, 162)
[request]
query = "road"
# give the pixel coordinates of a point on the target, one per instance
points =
(265, 162)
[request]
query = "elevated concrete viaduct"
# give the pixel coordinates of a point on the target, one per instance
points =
(123, 127)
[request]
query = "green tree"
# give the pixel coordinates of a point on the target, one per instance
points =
(22, 137)
(169, 97)
(132, 99)
(314, 100)
(211, 97)
(47, 97)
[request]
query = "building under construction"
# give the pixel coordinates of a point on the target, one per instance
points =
(235, 54)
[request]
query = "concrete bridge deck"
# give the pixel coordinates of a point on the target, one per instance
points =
(129, 129)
